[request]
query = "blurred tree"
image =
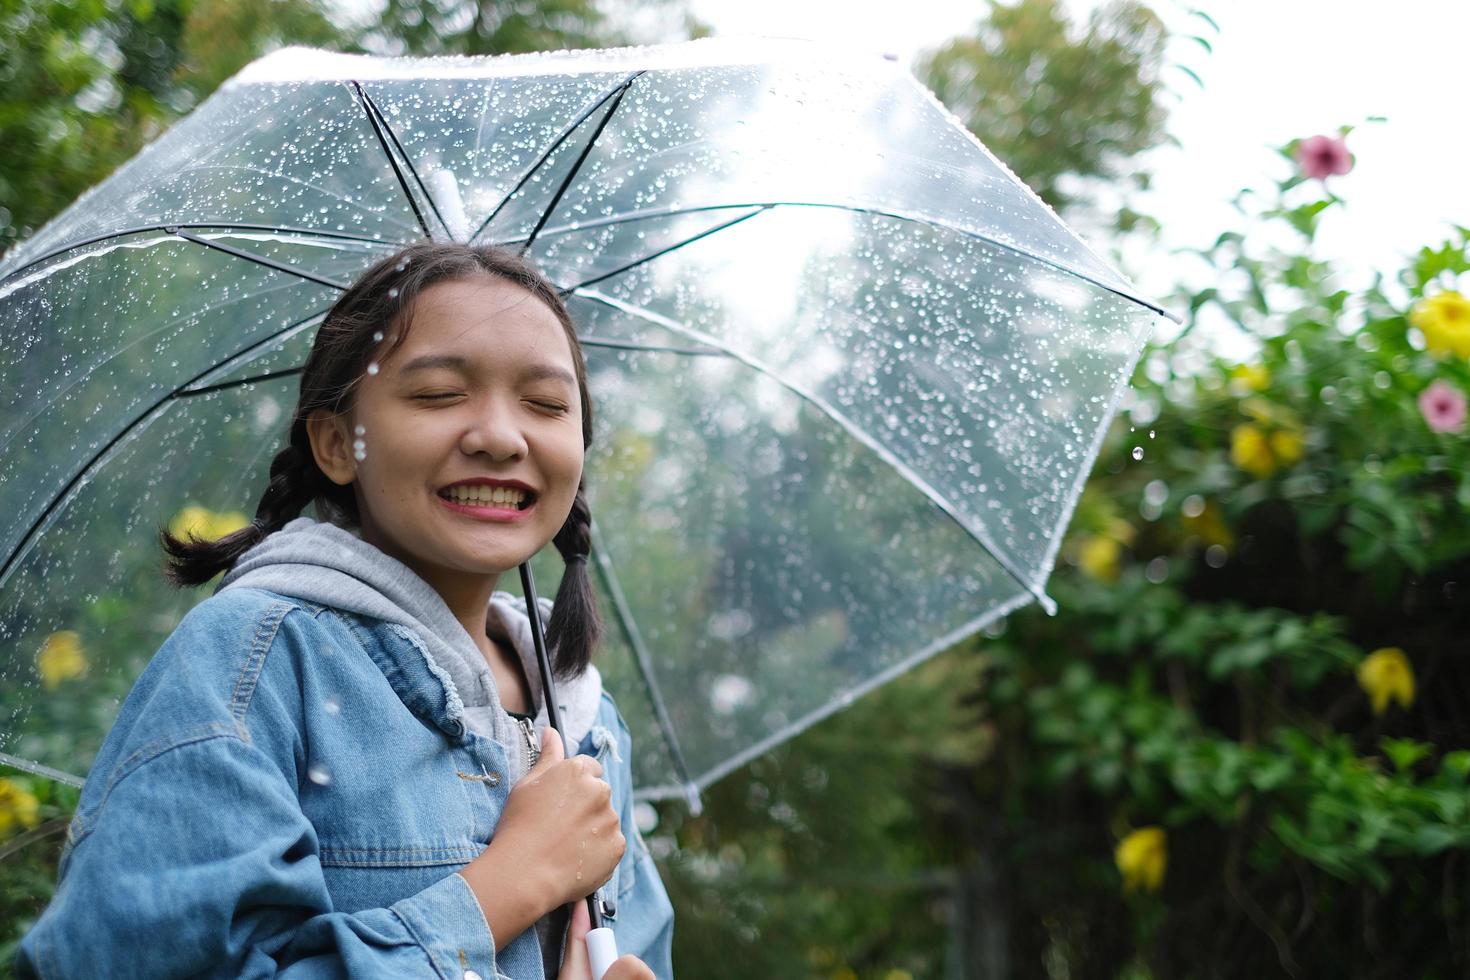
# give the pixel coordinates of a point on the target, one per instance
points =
(87, 84)
(508, 26)
(1057, 107)
(84, 84)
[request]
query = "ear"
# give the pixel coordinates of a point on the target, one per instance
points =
(332, 446)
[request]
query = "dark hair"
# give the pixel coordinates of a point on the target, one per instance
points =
(384, 296)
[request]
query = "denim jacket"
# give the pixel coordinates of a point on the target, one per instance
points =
(287, 792)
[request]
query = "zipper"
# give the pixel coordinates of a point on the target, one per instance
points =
(528, 730)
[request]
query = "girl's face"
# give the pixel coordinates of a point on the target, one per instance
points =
(484, 387)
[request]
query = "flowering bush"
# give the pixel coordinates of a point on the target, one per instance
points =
(1267, 667)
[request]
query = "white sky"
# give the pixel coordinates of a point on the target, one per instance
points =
(1279, 70)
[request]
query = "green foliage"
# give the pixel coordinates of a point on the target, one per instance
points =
(1050, 103)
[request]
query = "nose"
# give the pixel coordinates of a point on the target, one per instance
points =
(495, 431)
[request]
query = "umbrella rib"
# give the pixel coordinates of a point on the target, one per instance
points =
(581, 159)
(645, 669)
(258, 260)
(631, 216)
(140, 229)
(663, 251)
(387, 128)
(142, 419)
(367, 108)
(584, 341)
(561, 138)
(852, 428)
(652, 348)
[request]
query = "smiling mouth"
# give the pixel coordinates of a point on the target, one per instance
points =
(500, 498)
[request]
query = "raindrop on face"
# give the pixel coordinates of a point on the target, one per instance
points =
(373, 368)
(360, 430)
(377, 336)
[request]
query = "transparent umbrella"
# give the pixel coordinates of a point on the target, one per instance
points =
(850, 374)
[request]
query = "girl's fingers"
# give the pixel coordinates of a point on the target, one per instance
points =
(628, 967)
(574, 963)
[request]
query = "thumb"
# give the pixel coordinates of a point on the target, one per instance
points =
(575, 965)
(552, 749)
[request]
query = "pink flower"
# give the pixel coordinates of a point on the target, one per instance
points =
(1322, 156)
(1443, 406)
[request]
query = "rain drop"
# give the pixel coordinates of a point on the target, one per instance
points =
(1138, 452)
(331, 706)
(377, 336)
(1215, 556)
(373, 368)
(317, 773)
(360, 430)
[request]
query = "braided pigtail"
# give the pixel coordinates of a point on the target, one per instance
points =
(575, 626)
(295, 480)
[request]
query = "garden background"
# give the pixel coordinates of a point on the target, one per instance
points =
(1241, 749)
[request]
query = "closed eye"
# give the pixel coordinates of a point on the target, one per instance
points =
(429, 398)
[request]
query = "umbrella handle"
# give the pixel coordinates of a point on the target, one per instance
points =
(602, 945)
(602, 950)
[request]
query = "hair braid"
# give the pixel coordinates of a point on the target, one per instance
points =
(295, 480)
(575, 626)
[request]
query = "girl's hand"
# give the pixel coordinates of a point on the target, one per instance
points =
(560, 823)
(575, 964)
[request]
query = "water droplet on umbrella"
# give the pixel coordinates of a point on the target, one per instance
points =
(318, 773)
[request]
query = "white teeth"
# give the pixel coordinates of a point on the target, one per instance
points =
(497, 496)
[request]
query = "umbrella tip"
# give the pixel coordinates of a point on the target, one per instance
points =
(691, 797)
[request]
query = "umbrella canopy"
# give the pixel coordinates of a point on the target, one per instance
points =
(849, 373)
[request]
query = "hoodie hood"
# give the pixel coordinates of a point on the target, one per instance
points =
(323, 563)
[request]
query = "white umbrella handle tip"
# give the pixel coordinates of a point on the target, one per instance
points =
(602, 950)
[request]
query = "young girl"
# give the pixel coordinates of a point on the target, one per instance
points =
(339, 763)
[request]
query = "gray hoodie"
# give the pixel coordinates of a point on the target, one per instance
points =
(321, 562)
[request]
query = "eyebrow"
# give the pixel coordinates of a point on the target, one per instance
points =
(532, 372)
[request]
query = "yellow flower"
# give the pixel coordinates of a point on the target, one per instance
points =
(17, 807)
(61, 658)
(1249, 377)
(1385, 674)
(1098, 557)
(1444, 319)
(1251, 451)
(205, 524)
(1141, 858)
(1260, 453)
(227, 523)
(1286, 446)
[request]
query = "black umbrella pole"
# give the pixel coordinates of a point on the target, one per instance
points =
(553, 718)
